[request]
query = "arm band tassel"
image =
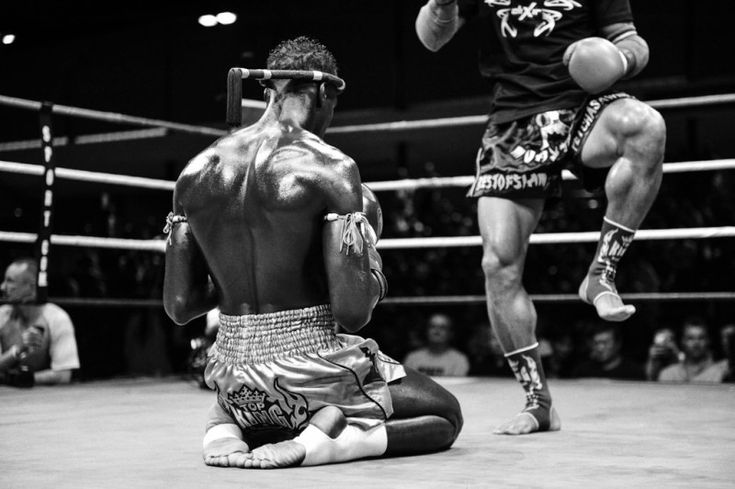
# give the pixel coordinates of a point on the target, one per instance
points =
(171, 220)
(352, 231)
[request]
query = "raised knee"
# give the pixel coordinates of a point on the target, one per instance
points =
(641, 128)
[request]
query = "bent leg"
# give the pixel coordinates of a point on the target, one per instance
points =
(506, 226)
(426, 417)
(629, 138)
(327, 439)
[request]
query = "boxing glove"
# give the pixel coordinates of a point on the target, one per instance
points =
(595, 63)
(376, 268)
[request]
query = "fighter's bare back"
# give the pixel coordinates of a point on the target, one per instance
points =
(255, 202)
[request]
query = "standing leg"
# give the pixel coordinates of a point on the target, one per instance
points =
(506, 226)
(629, 137)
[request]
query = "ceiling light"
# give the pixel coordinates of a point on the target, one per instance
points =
(208, 20)
(8, 38)
(226, 18)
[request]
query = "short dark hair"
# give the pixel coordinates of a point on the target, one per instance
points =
(302, 53)
(596, 327)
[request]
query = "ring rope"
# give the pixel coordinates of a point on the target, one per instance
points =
(424, 300)
(555, 298)
(465, 181)
(159, 245)
(405, 184)
(89, 176)
(471, 120)
(104, 137)
(112, 117)
(386, 126)
(556, 238)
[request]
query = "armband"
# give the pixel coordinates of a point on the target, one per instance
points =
(171, 220)
(356, 229)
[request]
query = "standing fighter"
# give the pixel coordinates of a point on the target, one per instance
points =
(553, 107)
(269, 225)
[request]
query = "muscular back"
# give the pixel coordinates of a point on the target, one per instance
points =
(255, 202)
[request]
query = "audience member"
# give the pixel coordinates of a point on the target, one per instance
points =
(438, 357)
(37, 343)
(605, 357)
(697, 364)
(727, 338)
(662, 353)
(485, 354)
(563, 359)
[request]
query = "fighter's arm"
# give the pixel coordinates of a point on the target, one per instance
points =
(188, 291)
(437, 22)
(633, 46)
(353, 288)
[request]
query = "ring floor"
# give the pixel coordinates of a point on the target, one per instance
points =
(146, 433)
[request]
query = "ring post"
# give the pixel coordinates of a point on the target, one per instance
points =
(43, 241)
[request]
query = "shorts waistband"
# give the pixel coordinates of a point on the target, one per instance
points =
(259, 338)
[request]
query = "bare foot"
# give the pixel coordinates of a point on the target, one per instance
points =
(226, 452)
(274, 455)
(329, 421)
(524, 423)
(606, 300)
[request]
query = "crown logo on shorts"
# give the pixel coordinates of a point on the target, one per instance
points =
(246, 396)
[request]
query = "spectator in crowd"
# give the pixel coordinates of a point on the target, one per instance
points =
(438, 357)
(562, 362)
(662, 353)
(696, 364)
(485, 354)
(37, 343)
(605, 357)
(727, 337)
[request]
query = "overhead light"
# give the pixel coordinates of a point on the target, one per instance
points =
(226, 18)
(8, 38)
(222, 18)
(208, 20)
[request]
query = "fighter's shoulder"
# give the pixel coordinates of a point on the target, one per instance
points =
(199, 165)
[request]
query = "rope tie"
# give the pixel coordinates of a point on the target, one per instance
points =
(352, 231)
(171, 220)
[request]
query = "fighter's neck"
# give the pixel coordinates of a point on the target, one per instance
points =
(293, 111)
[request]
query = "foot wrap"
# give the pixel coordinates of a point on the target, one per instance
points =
(352, 444)
(526, 365)
(600, 280)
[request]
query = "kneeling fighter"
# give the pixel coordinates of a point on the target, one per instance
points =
(274, 227)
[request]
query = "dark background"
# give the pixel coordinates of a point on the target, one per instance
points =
(152, 59)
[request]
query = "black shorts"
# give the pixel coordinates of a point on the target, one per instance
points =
(524, 158)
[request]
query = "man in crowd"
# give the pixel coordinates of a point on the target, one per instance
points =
(37, 342)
